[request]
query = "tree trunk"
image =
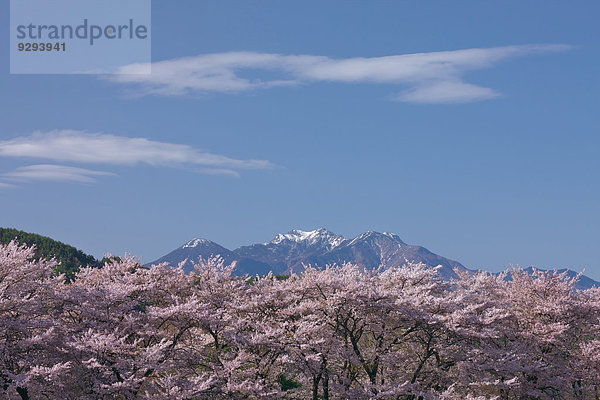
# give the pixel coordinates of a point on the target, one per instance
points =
(316, 380)
(325, 385)
(23, 393)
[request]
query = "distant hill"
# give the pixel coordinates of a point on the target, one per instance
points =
(584, 282)
(196, 248)
(70, 259)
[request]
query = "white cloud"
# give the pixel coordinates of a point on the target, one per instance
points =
(49, 172)
(434, 77)
(447, 92)
(101, 148)
(6, 186)
(218, 171)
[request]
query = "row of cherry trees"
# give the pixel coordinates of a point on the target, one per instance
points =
(128, 332)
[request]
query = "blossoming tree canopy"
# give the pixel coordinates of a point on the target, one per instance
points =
(125, 331)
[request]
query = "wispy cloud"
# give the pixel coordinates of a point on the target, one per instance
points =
(435, 77)
(6, 186)
(101, 148)
(218, 171)
(49, 172)
(72, 146)
(447, 92)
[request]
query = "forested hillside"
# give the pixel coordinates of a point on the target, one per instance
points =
(69, 258)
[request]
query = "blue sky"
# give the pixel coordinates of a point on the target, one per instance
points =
(470, 128)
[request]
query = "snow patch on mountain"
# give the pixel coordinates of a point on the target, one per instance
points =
(320, 235)
(195, 243)
(292, 251)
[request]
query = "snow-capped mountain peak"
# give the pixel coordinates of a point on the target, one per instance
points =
(295, 235)
(292, 251)
(393, 236)
(196, 242)
(372, 235)
(320, 235)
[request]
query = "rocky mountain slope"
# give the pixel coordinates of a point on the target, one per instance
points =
(291, 251)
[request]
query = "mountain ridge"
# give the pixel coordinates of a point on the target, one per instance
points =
(291, 251)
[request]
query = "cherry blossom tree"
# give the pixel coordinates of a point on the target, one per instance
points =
(26, 326)
(125, 331)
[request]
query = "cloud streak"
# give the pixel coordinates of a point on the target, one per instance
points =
(73, 146)
(101, 148)
(435, 77)
(49, 172)
(6, 186)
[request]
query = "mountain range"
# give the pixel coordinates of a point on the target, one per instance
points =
(283, 254)
(290, 252)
